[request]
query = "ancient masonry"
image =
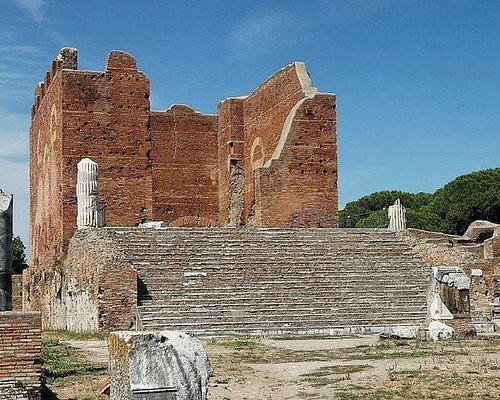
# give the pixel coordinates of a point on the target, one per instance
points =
(265, 160)
(262, 176)
(20, 355)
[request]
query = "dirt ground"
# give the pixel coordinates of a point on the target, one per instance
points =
(347, 368)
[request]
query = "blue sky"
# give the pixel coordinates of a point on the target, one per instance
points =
(417, 82)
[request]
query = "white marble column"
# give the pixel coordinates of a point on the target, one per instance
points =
(397, 216)
(87, 194)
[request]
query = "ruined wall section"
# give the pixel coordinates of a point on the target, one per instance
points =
(185, 168)
(442, 250)
(99, 289)
(92, 290)
(106, 118)
(20, 355)
(45, 172)
(100, 115)
(265, 113)
(297, 187)
(231, 135)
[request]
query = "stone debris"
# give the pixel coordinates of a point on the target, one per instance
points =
(452, 276)
(476, 272)
(479, 230)
(438, 309)
(157, 365)
(153, 225)
(400, 332)
(439, 331)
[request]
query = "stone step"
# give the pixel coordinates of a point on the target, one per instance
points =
(254, 280)
(281, 324)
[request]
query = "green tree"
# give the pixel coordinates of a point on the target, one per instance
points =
(18, 255)
(468, 198)
(451, 209)
(371, 211)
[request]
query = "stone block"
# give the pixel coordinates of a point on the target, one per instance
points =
(439, 331)
(157, 365)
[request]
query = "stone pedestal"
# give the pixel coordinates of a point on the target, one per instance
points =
(157, 365)
(5, 251)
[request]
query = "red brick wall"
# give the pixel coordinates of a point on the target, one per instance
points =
(265, 112)
(106, 118)
(230, 155)
(185, 169)
(20, 348)
(17, 292)
(45, 174)
(178, 166)
(300, 188)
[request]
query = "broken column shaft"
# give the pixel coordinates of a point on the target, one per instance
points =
(5, 251)
(87, 194)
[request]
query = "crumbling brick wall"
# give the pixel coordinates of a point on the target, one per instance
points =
(17, 292)
(104, 116)
(90, 291)
(282, 139)
(20, 352)
(184, 167)
(267, 159)
(179, 166)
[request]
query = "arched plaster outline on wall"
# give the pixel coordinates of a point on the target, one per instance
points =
(257, 163)
(309, 91)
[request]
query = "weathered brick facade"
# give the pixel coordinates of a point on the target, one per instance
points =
(93, 289)
(20, 354)
(268, 159)
(17, 292)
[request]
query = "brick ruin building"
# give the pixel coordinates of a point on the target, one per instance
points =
(266, 164)
(267, 159)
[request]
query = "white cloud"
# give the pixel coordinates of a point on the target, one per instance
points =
(260, 33)
(34, 9)
(19, 49)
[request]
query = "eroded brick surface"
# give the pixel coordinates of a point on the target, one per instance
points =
(20, 354)
(268, 159)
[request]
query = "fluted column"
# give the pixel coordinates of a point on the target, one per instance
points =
(87, 194)
(397, 216)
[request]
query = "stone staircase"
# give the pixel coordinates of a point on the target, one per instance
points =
(275, 281)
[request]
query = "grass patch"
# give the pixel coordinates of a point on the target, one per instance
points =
(60, 361)
(252, 350)
(61, 334)
(330, 375)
